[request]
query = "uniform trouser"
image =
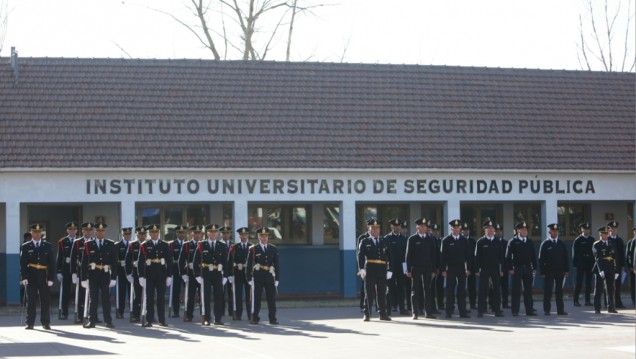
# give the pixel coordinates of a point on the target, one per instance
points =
(177, 283)
(22, 295)
(422, 280)
(407, 289)
(456, 277)
(213, 287)
(523, 276)
(158, 285)
(137, 297)
(617, 290)
(230, 306)
(472, 289)
(32, 290)
(503, 282)
(193, 288)
(632, 285)
(434, 292)
(556, 279)
(374, 285)
(488, 277)
(94, 289)
(362, 294)
(604, 286)
(583, 271)
(397, 289)
(81, 295)
(270, 293)
(123, 287)
(240, 286)
(67, 280)
(438, 291)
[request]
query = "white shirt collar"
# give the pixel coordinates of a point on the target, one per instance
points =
(490, 239)
(154, 243)
(523, 239)
(36, 243)
(456, 238)
(422, 235)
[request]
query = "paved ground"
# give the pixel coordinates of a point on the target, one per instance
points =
(339, 333)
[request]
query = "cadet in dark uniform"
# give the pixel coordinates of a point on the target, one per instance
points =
(132, 272)
(155, 274)
(210, 270)
(555, 267)
(421, 264)
(631, 252)
(397, 283)
(99, 273)
(226, 238)
(64, 275)
(456, 259)
(505, 279)
(404, 230)
(77, 253)
(26, 237)
(362, 236)
(123, 286)
(177, 281)
(521, 258)
(263, 271)
(186, 270)
(488, 267)
(472, 278)
(605, 268)
(237, 265)
(582, 263)
(619, 245)
(374, 252)
(37, 272)
(437, 286)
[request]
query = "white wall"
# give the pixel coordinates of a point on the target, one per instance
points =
(619, 209)
(111, 213)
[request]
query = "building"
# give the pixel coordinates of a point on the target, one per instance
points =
(310, 150)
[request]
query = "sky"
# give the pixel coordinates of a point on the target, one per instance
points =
(509, 34)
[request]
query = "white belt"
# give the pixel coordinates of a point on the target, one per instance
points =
(191, 265)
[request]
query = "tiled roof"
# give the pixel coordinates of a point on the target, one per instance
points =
(235, 114)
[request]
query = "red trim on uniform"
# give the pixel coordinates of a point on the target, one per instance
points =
(200, 252)
(87, 251)
(143, 250)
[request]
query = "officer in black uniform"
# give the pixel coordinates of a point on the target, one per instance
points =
(456, 261)
(421, 265)
(489, 268)
(155, 274)
(360, 238)
(177, 281)
(123, 286)
(404, 230)
(397, 283)
(263, 271)
(583, 262)
(99, 273)
(555, 267)
(437, 285)
(631, 252)
(374, 253)
(211, 271)
(237, 266)
(186, 270)
(521, 259)
(619, 245)
(64, 275)
(505, 279)
(226, 238)
(37, 272)
(77, 253)
(472, 278)
(605, 268)
(26, 237)
(132, 273)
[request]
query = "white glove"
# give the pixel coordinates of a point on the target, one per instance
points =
(85, 283)
(142, 282)
(50, 283)
(602, 274)
(276, 284)
(389, 275)
(224, 280)
(185, 278)
(168, 281)
(74, 278)
(230, 279)
(130, 278)
(25, 282)
(616, 276)
(112, 283)
(59, 277)
(363, 273)
(199, 280)
(251, 283)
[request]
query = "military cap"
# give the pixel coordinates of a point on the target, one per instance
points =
(225, 229)
(101, 226)
(405, 224)
(498, 227)
(421, 221)
(612, 224)
(585, 225)
(522, 224)
(553, 226)
(180, 228)
(153, 228)
(373, 222)
(88, 225)
(196, 228)
(27, 235)
(126, 230)
(262, 231)
(434, 226)
(466, 225)
(243, 230)
(141, 230)
(212, 227)
(455, 223)
(487, 224)
(36, 227)
(634, 229)
(72, 225)
(603, 229)
(396, 222)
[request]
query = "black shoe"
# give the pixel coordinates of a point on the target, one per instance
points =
(499, 314)
(612, 311)
(506, 306)
(366, 318)
(89, 325)
(110, 325)
(64, 317)
(546, 313)
(404, 312)
(480, 315)
(98, 321)
(448, 316)
(414, 316)
(175, 315)
(588, 304)
(162, 324)
(46, 327)
(361, 310)
(275, 322)
(188, 319)
(28, 327)
(441, 307)
(577, 304)
(562, 313)
(597, 312)
(473, 306)
(135, 320)
(420, 312)
(468, 311)
(464, 316)
(431, 317)
(394, 309)
(147, 325)
(532, 314)
(515, 314)
(435, 311)
(620, 306)
(385, 318)
(206, 323)
(216, 322)
(118, 316)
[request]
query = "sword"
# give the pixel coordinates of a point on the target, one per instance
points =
(59, 311)
(202, 296)
(143, 309)
(233, 295)
(77, 286)
(131, 299)
(252, 296)
(170, 299)
(117, 295)
(86, 295)
(185, 298)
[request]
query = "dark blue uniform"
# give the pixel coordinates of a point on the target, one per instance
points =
(456, 258)
(77, 253)
(605, 261)
(583, 261)
(472, 278)
(99, 267)
(553, 263)
(123, 286)
(631, 252)
(210, 263)
(132, 257)
(186, 267)
(397, 283)
(619, 246)
(238, 265)
(365, 235)
(489, 259)
(264, 277)
(155, 272)
(374, 258)
(421, 262)
(64, 248)
(177, 281)
(37, 267)
(521, 257)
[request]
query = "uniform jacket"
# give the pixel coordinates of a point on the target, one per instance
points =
(206, 255)
(489, 254)
(77, 253)
(186, 258)
(520, 254)
(631, 248)
(268, 258)
(63, 261)
(619, 245)
(602, 250)
(456, 253)
(398, 249)
(582, 251)
(132, 257)
(367, 250)
(553, 257)
(121, 248)
(421, 252)
(154, 269)
(238, 255)
(104, 255)
(42, 255)
(175, 248)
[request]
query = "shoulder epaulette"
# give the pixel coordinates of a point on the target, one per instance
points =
(110, 240)
(269, 244)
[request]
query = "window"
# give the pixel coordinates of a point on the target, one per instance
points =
(630, 220)
(531, 213)
(434, 213)
(331, 223)
(287, 224)
(170, 216)
(383, 213)
(476, 214)
(569, 217)
(227, 215)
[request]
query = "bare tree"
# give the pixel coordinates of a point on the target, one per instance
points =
(596, 46)
(4, 21)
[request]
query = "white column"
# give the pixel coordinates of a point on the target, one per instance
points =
(508, 220)
(451, 211)
(415, 212)
(239, 216)
(127, 214)
(549, 214)
(12, 245)
(348, 265)
(317, 224)
(348, 225)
